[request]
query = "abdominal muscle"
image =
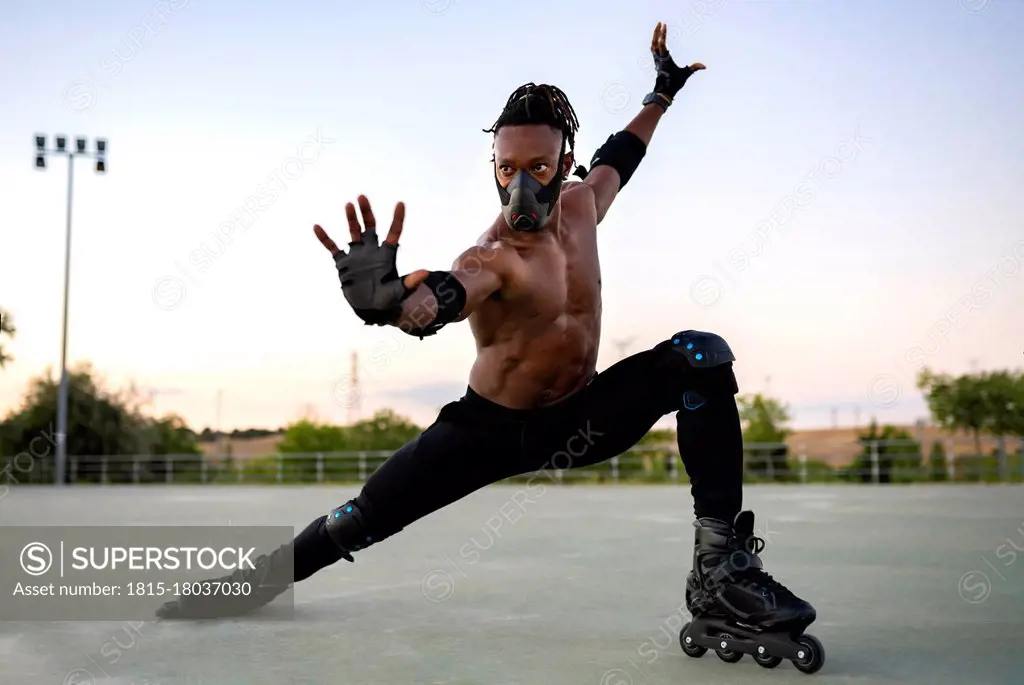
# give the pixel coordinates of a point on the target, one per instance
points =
(531, 365)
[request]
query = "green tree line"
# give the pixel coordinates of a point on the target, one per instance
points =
(985, 403)
(103, 423)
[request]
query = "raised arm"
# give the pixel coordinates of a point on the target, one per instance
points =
(615, 161)
(422, 302)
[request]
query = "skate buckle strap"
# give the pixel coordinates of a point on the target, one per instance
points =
(741, 560)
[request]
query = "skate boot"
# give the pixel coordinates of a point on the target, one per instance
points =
(239, 593)
(738, 608)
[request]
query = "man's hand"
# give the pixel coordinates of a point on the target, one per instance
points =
(369, 276)
(671, 78)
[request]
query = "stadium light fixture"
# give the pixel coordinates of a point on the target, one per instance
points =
(101, 166)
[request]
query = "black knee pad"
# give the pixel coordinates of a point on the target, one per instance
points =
(353, 526)
(703, 350)
(709, 359)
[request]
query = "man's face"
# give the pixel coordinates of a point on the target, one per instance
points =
(533, 147)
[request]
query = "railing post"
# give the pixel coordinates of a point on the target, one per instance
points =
(136, 469)
(1004, 473)
(769, 461)
(874, 462)
(239, 474)
(202, 470)
(803, 464)
(74, 470)
(362, 467)
(673, 468)
(950, 461)
(280, 468)
(319, 467)
(103, 471)
(615, 469)
(1020, 450)
(170, 469)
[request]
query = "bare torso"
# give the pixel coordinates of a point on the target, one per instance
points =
(537, 341)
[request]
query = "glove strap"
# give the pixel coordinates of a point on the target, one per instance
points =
(377, 317)
(660, 99)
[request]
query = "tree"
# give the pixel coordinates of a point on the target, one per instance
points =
(386, 430)
(1003, 409)
(307, 438)
(764, 421)
(955, 403)
(101, 423)
(991, 402)
(937, 462)
(897, 453)
(171, 435)
(6, 328)
(763, 418)
(253, 433)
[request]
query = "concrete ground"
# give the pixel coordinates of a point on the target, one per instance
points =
(575, 585)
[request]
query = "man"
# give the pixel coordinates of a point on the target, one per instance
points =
(531, 291)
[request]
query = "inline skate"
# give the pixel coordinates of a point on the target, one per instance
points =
(270, 576)
(739, 609)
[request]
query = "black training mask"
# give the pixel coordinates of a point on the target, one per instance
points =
(525, 203)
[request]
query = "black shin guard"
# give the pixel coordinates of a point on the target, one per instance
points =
(711, 446)
(708, 423)
(354, 526)
(328, 539)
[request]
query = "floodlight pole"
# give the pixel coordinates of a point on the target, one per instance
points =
(62, 400)
(71, 151)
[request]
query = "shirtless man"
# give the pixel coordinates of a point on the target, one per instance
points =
(531, 291)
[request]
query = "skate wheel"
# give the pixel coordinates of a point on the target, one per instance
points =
(766, 660)
(690, 648)
(814, 654)
(729, 656)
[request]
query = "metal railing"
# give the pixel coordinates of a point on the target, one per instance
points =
(878, 462)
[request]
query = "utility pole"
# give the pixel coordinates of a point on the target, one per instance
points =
(101, 167)
(220, 436)
(355, 396)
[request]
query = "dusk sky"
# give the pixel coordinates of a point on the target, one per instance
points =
(839, 194)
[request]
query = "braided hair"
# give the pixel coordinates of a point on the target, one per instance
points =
(539, 104)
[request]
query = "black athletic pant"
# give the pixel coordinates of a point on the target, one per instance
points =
(475, 442)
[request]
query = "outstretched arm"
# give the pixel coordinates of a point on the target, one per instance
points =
(614, 163)
(420, 303)
(453, 295)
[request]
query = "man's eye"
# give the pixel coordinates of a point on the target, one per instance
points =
(540, 168)
(505, 169)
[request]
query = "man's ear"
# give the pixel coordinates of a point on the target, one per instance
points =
(567, 165)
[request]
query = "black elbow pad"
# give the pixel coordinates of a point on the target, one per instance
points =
(622, 152)
(451, 300)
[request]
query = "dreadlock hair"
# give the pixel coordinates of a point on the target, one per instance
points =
(539, 104)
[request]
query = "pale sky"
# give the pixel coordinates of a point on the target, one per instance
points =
(838, 195)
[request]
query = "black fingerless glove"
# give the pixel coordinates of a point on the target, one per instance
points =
(671, 77)
(370, 280)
